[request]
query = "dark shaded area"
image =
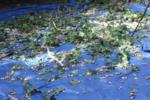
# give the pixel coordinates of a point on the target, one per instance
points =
(15, 3)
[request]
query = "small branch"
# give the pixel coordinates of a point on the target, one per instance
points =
(53, 58)
(54, 25)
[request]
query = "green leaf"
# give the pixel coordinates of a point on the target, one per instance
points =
(82, 34)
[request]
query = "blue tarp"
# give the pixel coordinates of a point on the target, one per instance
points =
(116, 85)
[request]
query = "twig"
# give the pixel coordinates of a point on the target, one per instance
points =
(53, 58)
(54, 25)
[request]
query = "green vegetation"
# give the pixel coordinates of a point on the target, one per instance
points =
(100, 37)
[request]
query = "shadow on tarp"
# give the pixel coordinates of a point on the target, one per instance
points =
(6, 15)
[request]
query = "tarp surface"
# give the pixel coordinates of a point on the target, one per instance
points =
(105, 86)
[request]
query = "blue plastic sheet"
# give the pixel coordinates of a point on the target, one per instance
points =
(138, 8)
(104, 86)
(6, 15)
